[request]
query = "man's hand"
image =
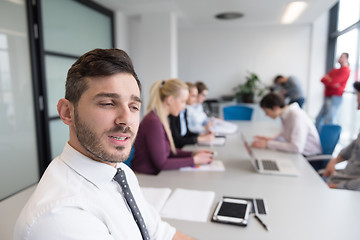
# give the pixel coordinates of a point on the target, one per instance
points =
(180, 236)
(330, 168)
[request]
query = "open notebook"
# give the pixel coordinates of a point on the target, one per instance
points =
(183, 204)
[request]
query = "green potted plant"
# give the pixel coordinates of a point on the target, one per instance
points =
(246, 92)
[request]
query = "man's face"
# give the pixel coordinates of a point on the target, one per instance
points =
(281, 81)
(342, 59)
(106, 118)
(358, 99)
(202, 96)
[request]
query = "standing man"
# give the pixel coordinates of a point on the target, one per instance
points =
(334, 82)
(290, 87)
(88, 192)
(348, 178)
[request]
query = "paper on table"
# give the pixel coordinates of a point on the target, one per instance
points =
(156, 196)
(190, 205)
(223, 127)
(218, 141)
(216, 165)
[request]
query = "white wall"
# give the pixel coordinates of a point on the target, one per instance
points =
(222, 57)
(315, 90)
(121, 31)
(153, 49)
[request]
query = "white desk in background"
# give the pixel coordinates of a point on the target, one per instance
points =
(300, 207)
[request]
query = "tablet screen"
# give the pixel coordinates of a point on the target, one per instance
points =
(236, 210)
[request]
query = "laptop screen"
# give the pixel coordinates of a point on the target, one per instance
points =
(247, 147)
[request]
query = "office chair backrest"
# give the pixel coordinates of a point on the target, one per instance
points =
(131, 155)
(238, 112)
(329, 137)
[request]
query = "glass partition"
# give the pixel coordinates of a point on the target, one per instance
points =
(56, 71)
(70, 28)
(74, 28)
(18, 149)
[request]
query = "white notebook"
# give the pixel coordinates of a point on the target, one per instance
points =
(190, 205)
(156, 197)
(215, 166)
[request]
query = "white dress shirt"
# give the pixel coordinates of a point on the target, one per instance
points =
(298, 134)
(183, 128)
(77, 198)
(197, 118)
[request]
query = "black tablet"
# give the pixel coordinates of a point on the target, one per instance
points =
(232, 211)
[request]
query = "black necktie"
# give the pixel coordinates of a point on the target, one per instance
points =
(121, 179)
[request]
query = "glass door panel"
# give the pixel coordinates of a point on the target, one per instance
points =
(56, 70)
(74, 28)
(18, 149)
(70, 28)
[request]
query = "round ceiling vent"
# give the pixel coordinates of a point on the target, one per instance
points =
(229, 15)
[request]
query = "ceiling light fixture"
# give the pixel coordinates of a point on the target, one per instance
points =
(292, 11)
(229, 15)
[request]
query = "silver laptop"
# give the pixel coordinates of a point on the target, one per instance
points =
(269, 165)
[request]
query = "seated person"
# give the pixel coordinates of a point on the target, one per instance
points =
(348, 178)
(198, 121)
(79, 195)
(298, 134)
(179, 125)
(290, 88)
(154, 146)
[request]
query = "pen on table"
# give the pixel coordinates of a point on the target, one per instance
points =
(262, 223)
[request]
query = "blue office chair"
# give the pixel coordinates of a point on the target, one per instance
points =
(238, 112)
(128, 161)
(329, 137)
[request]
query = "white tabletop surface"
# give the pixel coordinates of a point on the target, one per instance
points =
(300, 207)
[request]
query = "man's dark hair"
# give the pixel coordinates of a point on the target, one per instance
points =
(96, 63)
(201, 86)
(357, 86)
(272, 100)
(346, 54)
(276, 79)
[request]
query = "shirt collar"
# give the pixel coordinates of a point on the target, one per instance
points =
(95, 172)
(288, 109)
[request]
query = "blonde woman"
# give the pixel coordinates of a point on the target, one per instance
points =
(154, 146)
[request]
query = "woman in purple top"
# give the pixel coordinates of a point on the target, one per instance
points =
(154, 146)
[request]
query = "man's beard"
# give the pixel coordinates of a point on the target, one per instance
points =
(92, 143)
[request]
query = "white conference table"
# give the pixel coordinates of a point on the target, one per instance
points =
(300, 207)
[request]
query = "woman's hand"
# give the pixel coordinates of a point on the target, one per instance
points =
(203, 157)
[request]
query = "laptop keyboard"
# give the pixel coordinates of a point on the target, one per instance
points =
(270, 165)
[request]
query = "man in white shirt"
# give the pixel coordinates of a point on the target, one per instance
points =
(77, 197)
(298, 134)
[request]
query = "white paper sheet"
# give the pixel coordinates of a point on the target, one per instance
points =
(215, 166)
(156, 196)
(190, 205)
(223, 127)
(218, 141)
